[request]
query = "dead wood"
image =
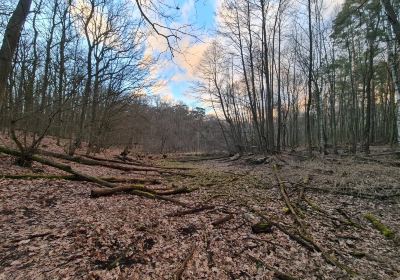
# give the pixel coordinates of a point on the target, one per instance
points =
(278, 274)
(327, 214)
(191, 211)
(76, 178)
(60, 166)
(105, 192)
(282, 228)
(201, 159)
(117, 189)
(386, 163)
(307, 236)
(353, 193)
(381, 227)
(177, 191)
(103, 183)
(92, 162)
(261, 227)
(288, 204)
(182, 267)
(348, 218)
(116, 161)
(222, 220)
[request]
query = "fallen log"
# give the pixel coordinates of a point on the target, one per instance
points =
(177, 191)
(96, 180)
(75, 178)
(60, 166)
(287, 202)
(115, 161)
(327, 214)
(353, 193)
(195, 159)
(382, 228)
(304, 234)
(105, 192)
(191, 211)
(92, 162)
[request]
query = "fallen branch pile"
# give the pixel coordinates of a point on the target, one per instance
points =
(107, 186)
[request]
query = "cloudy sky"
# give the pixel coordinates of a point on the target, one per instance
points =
(176, 74)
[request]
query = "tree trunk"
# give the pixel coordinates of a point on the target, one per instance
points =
(10, 43)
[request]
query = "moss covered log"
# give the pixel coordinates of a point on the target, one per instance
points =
(382, 228)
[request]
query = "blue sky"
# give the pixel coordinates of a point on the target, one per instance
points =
(178, 73)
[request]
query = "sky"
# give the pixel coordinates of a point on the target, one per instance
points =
(177, 74)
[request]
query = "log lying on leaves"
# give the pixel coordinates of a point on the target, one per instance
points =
(92, 162)
(75, 178)
(60, 166)
(120, 161)
(103, 183)
(382, 228)
(105, 192)
(191, 211)
(353, 193)
(305, 235)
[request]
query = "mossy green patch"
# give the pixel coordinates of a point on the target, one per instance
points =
(386, 231)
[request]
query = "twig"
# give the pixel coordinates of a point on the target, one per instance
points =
(182, 267)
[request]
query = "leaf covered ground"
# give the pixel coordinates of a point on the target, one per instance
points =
(53, 229)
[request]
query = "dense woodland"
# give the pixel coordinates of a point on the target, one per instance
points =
(296, 75)
(279, 74)
(79, 71)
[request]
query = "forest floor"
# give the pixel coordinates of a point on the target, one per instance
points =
(323, 218)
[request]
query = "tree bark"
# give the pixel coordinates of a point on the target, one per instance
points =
(10, 43)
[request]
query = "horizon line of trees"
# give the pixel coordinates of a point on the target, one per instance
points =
(283, 73)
